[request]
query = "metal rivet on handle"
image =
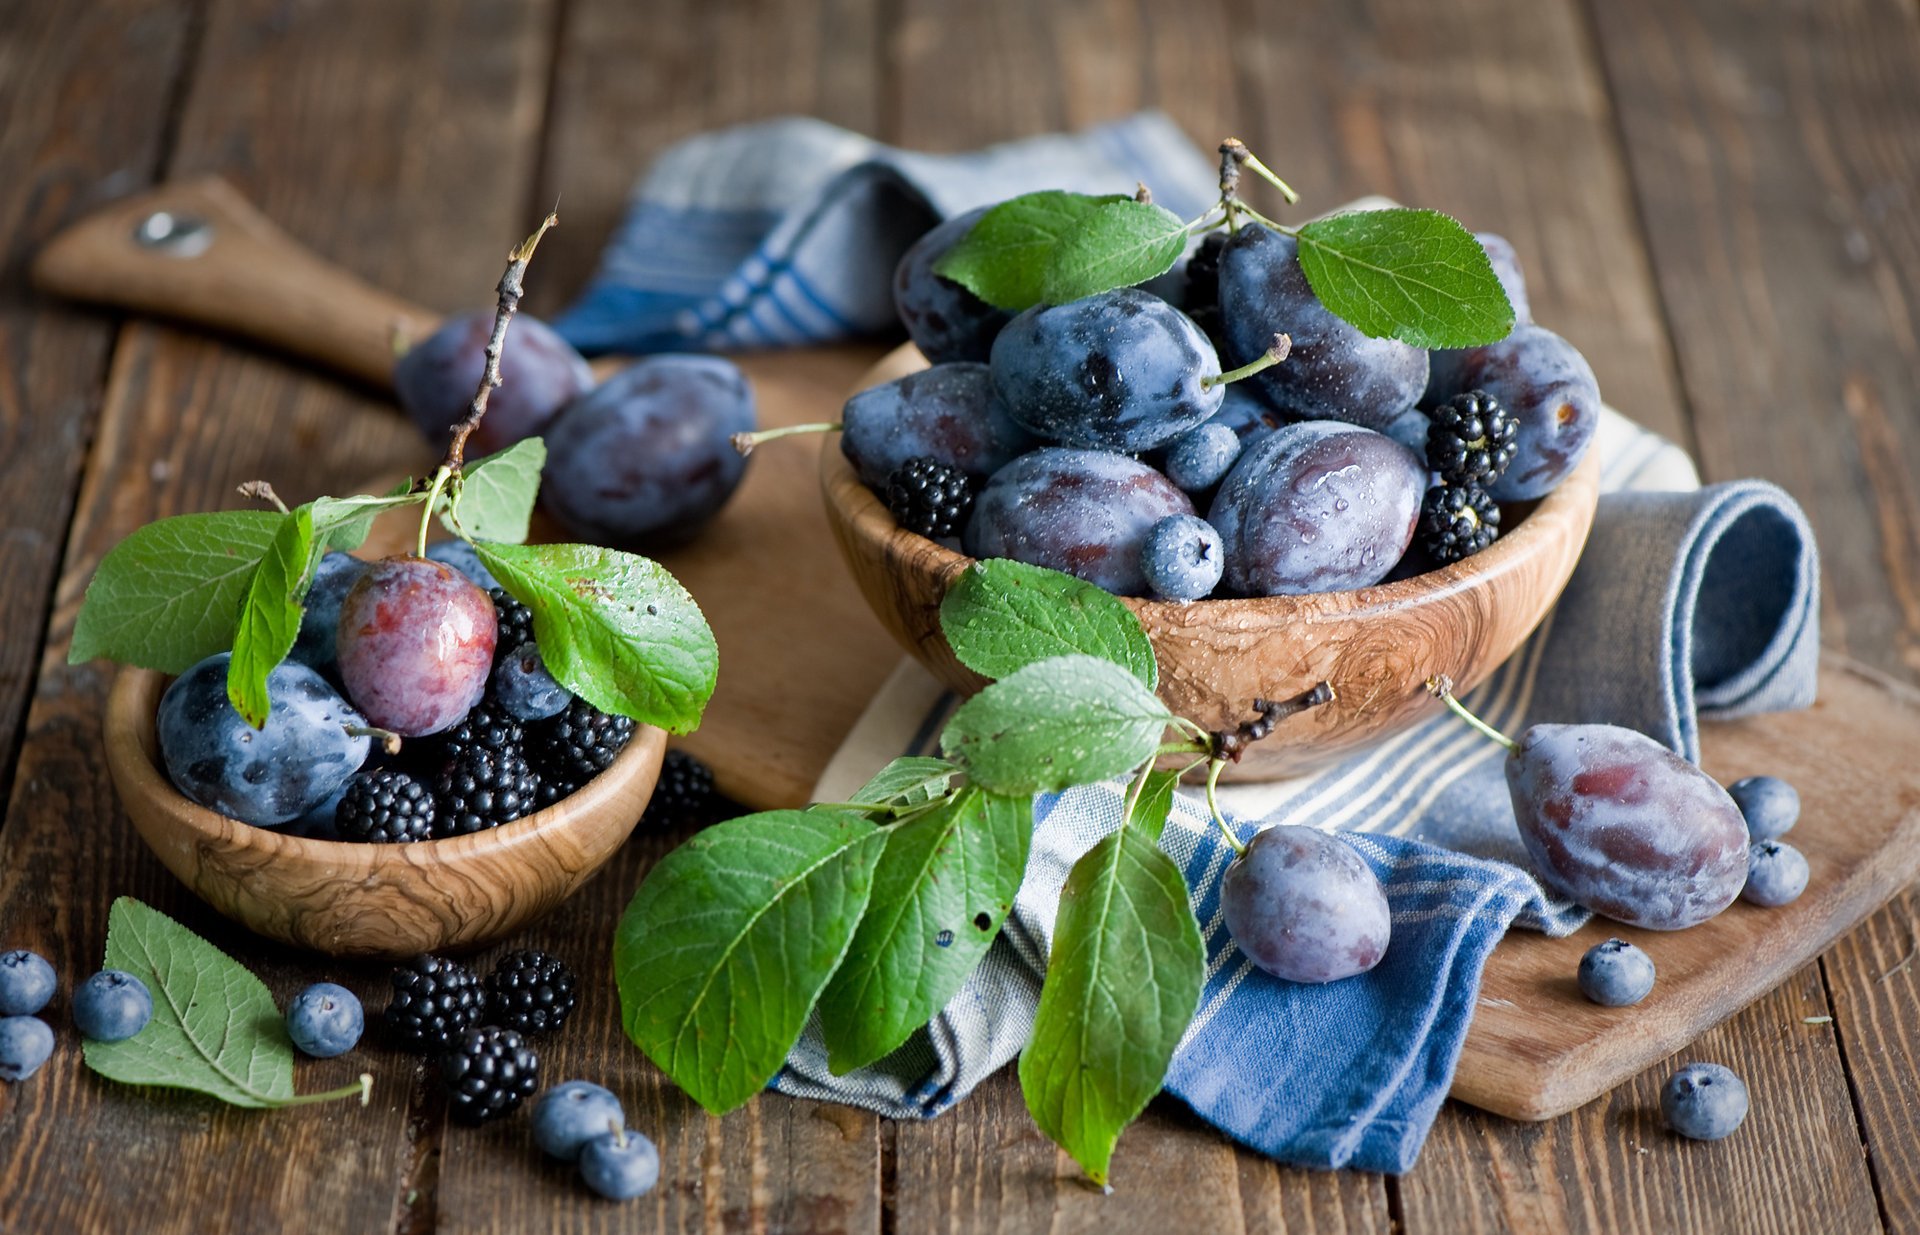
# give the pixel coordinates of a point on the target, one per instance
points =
(176, 235)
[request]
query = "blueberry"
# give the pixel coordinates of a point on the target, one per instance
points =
(1704, 1101)
(111, 1006)
(1616, 974)
(946, 321)
(1771, 806)
(26, 982)
(316, 646)
(267, 776)
(569, 1115)
(525, 688)
(325, 1020)
(1776, 874)
(1198, 458)
(1182, 558)
(460, 555)
(620, 1165)
(25, 1043)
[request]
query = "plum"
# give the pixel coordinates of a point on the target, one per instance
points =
(647, 458)
(1317, 506)
(948, 413)
(540, 373)
(1305, 907)
(945, 320)
(1333, 371)
(1547, 389)
(416, 644)
(320, 619)
(1084, 512)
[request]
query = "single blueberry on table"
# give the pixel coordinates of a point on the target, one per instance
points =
(26, 982)
(1770, 805)
(1182, 559)
(111, 1006)
(1777, 874)
(569, 1115)
(1199, 458)
(460, 555)
(524, 686)
(1704, 1101)
(1616, 974)
(325, 1020)
(26, 1042)
(620, 1165)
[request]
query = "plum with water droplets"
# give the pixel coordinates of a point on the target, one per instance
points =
(416, 644)
(948, 413)
(945, 320)
(1305, 907)
(1084, 512)
(1547, 389)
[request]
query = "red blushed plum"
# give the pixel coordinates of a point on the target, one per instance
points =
(1305, 907)
(416, 645)
(1620, 824)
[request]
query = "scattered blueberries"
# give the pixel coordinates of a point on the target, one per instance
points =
(325, 1020)
(1770, 805)
(1776, 874)
(620, 1165)
(1182, 558)
(1200, 458)
(26, 1042)
(524, 687)
(1616, 974)
(26, 982)
(570, 1114)
(111, 1006)
(1704, 1101)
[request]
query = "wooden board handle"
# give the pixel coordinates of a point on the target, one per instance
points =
(198, 251)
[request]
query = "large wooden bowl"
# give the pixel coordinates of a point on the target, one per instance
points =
(1376, 645)
(389, 901)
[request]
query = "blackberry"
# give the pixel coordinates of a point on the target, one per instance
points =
(531, 992)
(1472, 439)
(930, 497)
(385, 806)
(1457, 522)
(683, 797)
(489, 727)
(482, 788)
(488, 1072)
(434, 1001)
(515, 621)
(576, 745)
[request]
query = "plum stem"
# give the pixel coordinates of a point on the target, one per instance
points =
(1282, 345)
(261, 491)
(389, 740)
(361, 1089)
(1442, 687)
(1214, 767)
(745, 442)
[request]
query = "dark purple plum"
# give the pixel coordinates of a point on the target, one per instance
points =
(643, 461)
(320, 619)
(948, 413)
(1333, 371)
(1305, 907)
(1546, 387)
(540, 373)
(1119, 371)
(1201, 297)
(1084, 512)
(1317, 506)
(416, 644)
(1618, 823)
(945, 320)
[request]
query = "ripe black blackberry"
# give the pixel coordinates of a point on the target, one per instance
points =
(515, 621)
(488, 726)
(530, 991)
(1472, 439)
(1457, 522)
(930, 497)
(575, 745)
(481, 788)
(385, 806)
(683, 797)
(435, 1000)
(488, 1072)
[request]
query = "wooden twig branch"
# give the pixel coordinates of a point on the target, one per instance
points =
(509, 303)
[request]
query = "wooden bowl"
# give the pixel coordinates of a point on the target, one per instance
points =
(1376, 645)
(390, 901)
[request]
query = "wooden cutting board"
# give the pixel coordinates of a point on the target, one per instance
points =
(801, 656)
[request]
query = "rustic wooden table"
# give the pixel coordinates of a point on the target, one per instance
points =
(1716, 201)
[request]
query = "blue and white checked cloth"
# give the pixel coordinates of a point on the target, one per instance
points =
(1688, 602)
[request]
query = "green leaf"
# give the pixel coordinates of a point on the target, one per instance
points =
(910, 780)
(169, 595)
(343, 522)
(1413, 275)
(1121, 988)
(1066, 721)
(615, 628)
(1117, 245)
(1001, 615)
(1003, 259)
(1150, 810)
(215, 1028)
(495, 501)
(726, 946)
(270, 616)
(943, 887)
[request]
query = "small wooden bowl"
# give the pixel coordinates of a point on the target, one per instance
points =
(1376, 645)
(390, 901)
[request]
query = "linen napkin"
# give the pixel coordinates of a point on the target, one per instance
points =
(1688, 601)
